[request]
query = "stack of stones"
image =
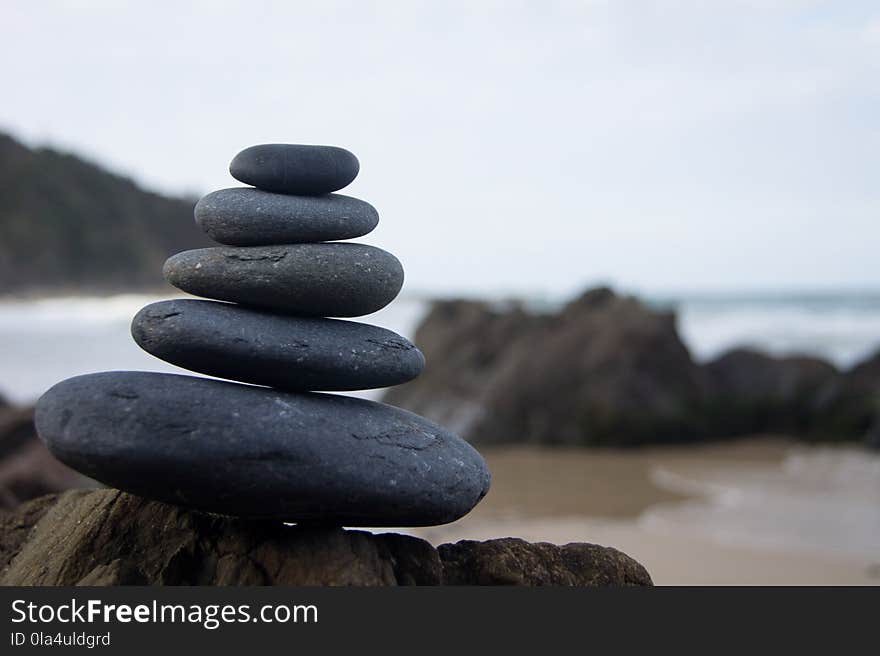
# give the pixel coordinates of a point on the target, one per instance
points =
(270, 445)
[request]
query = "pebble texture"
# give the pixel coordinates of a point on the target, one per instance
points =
(295, 169)
(259, 453)
(249, 217)
(318, 280)
(293, 353)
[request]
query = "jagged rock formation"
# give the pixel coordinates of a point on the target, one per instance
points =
(751, 392)
(108, 537)
(850, 404)
(605, 370)
(609, 370)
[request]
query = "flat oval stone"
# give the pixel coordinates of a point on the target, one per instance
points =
(249, 217)
(295, 169)
(260, 453)
(292, 353)
(317, 280)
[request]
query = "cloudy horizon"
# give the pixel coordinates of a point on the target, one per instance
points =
(534, 147)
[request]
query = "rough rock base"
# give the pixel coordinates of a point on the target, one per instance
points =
(108, 537)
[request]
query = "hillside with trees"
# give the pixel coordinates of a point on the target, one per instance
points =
(69, 226)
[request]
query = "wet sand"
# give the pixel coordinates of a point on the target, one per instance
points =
(670, 508)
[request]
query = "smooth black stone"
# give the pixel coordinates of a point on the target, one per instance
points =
(260, 453)
(295, 169)
(249, 217)
(317, 280)
(292, 353)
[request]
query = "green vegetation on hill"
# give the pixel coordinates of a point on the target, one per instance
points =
(69, 226)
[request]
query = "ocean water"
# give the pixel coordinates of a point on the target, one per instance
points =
(43, 341)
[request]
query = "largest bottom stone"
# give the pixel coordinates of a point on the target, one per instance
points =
(256, 452)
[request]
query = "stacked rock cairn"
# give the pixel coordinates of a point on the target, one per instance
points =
(271, 446)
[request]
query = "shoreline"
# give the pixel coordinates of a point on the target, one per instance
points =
(689, 525)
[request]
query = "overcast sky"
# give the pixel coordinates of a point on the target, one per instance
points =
(521, 146)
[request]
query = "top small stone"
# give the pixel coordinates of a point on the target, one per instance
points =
(295, 169)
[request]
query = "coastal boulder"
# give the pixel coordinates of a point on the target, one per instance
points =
(605, 369)
(750, 392)
(610, 370)
(848, 406)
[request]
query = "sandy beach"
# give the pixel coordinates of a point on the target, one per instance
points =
(765, 510)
